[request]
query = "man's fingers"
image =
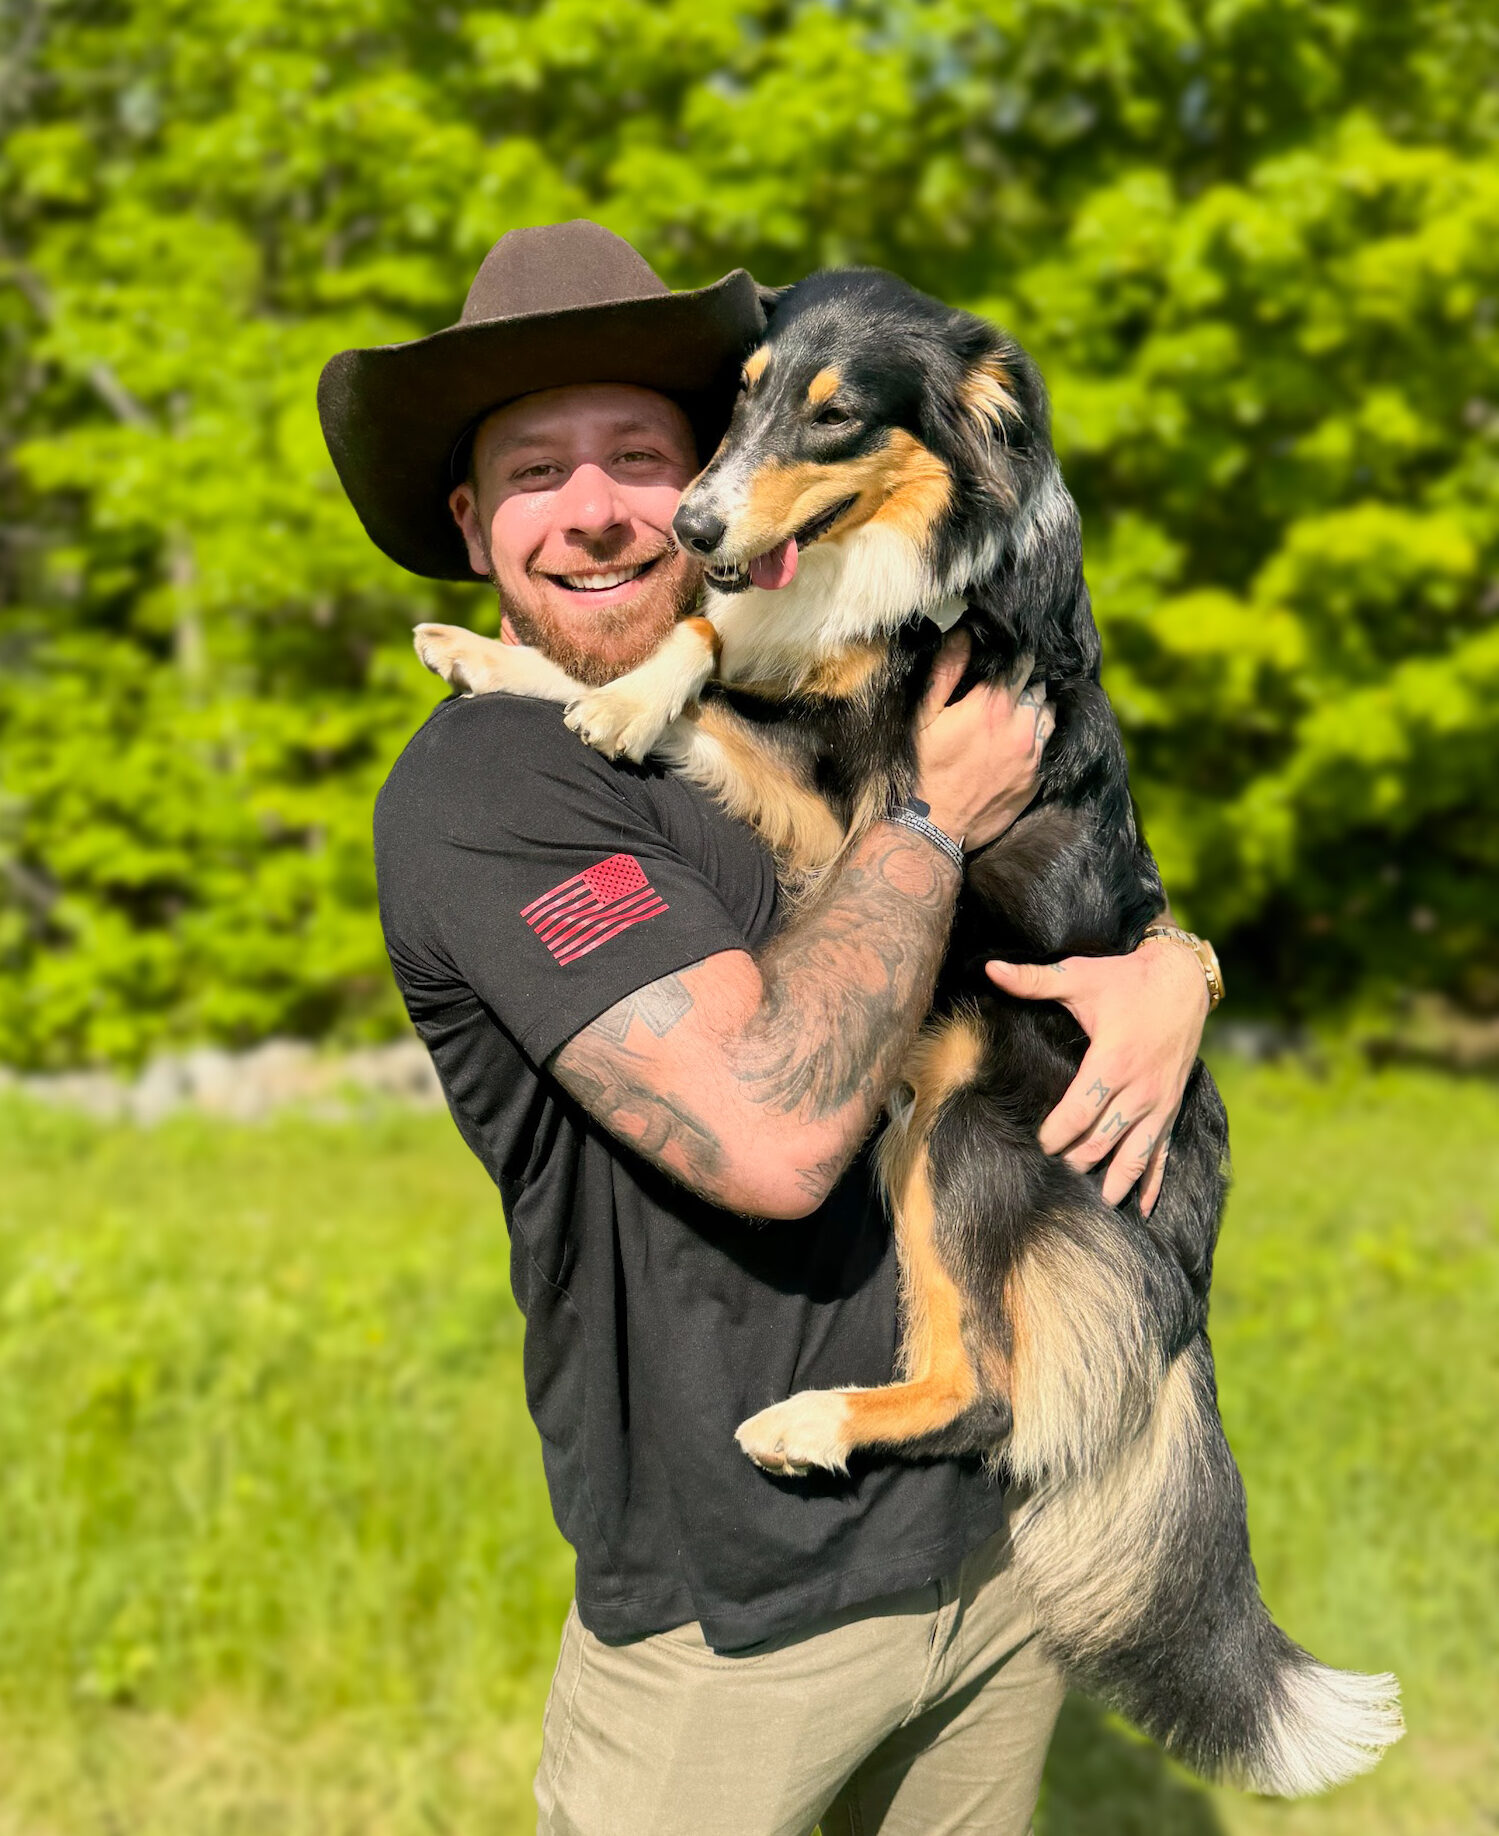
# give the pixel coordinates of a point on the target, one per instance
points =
(947, 672)
(1032, 700)
(1155, 1175)
(1033, 982)
(1129, 1165)
(1088, 1103)
(1100, 1141)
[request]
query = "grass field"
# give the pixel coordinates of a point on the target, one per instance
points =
(275, 1554)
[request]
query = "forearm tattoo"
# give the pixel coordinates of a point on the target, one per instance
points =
(845, 986)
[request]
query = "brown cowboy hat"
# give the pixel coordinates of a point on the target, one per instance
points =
(568, 303)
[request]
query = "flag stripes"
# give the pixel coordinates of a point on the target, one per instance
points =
(593, 906)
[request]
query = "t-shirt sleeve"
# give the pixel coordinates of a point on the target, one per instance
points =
(535, 870)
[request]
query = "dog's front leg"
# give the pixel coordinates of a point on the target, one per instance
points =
(629, 715)
(770, 789)
(484, 666)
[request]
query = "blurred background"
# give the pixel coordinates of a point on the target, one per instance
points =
(274, 1552)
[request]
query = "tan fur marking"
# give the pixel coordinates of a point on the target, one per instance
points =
(823, 386)
(940, 1382)
(847, 673)
(919, 493)
(902, 479)
(942, 1059)
(708, 632)
(754, 365)
(986, 391)
(791, 819)
(781, 498)
(1088, 1545)
(838, 677)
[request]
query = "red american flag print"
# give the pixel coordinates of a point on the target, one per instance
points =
(593, 906)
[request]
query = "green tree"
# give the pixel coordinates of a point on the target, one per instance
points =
(1253, 242)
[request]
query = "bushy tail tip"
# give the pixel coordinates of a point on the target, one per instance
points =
(1324, 1727)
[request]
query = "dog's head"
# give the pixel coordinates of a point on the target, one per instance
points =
(871, 407)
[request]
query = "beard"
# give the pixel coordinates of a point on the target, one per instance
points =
(617, 638)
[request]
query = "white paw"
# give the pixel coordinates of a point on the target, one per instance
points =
(460, 657)
(618, 722)
(807, 1430)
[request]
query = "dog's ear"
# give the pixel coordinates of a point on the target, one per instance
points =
(1044, 590)
(768, 296)
(993, 427)
(1037, 590)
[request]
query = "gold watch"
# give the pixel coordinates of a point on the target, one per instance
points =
(1202, 950)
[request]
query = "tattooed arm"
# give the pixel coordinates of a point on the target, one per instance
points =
(753, 1079)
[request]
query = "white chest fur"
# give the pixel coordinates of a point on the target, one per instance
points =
(862, 587)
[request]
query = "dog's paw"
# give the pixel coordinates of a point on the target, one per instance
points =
(808, 1430)
(460, 657)
(618, 722)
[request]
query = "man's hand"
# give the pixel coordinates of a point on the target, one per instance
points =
(1143, 1015)
(976, 761)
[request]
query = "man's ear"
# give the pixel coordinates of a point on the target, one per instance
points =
(463, 501)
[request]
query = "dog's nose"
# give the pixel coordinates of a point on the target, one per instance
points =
(699, 530)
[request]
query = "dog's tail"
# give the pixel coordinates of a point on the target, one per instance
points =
(1132, 1538)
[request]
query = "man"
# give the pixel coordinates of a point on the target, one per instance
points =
(673, 1095)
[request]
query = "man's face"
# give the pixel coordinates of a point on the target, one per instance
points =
(569, 513)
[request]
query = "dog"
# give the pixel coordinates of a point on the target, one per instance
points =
(889, 468)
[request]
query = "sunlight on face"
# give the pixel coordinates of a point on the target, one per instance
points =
(569, 514)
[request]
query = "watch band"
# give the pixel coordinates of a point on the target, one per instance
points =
(1202, 950)
(911, 813)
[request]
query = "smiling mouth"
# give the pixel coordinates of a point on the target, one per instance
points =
(735, 576)
(603, 579)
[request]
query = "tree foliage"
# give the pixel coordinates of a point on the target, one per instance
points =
(1254, 243)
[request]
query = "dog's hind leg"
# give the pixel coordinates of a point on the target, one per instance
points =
(943, 1389)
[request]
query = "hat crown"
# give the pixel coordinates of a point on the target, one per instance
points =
(556, 267)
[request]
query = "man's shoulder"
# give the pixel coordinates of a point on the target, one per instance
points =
(484, 743)
(487, 726)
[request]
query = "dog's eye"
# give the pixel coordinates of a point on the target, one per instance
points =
(832, 417)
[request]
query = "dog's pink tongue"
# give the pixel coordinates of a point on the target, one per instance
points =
(777, 567)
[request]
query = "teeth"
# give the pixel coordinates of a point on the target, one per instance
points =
(596, 583)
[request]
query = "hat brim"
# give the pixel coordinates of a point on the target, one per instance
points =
(392, 415)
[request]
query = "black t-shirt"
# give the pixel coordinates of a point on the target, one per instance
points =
(526, 885)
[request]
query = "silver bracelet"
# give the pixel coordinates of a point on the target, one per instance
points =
(916, 816)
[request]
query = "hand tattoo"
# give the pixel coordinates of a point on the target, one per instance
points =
(1103, 1092)
(1033, 696)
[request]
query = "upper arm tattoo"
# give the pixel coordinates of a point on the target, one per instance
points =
(659, 1006)
(621, 1088)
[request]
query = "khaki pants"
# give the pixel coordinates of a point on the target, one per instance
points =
(924, 1714)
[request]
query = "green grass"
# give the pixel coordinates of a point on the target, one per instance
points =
(275, 1554)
